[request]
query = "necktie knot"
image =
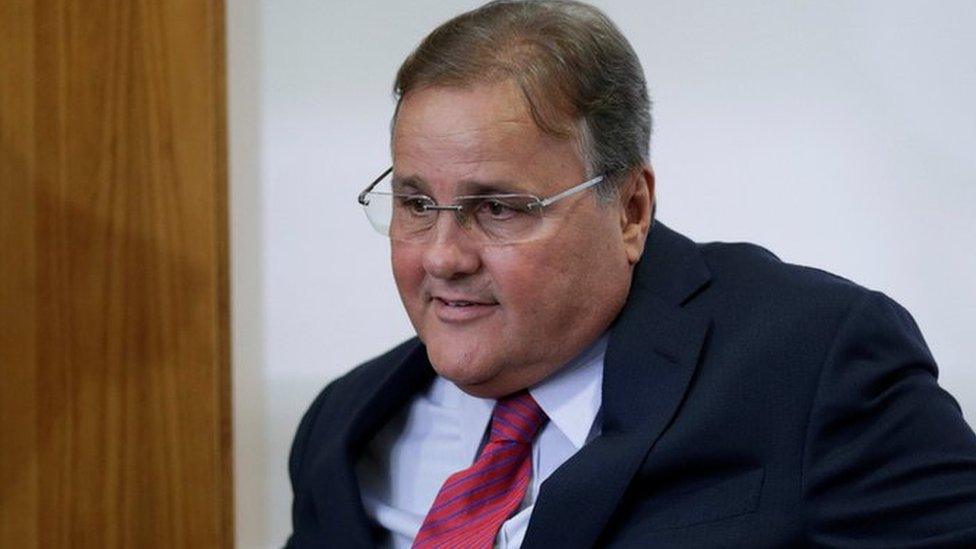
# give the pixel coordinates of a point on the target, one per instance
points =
(517, 418)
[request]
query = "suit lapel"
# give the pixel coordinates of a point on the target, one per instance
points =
(651, 357)
(337, 496)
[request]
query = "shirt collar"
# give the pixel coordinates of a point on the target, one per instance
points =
(571, 397)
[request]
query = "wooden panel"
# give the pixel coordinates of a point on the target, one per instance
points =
(114, 388)
(19, 502)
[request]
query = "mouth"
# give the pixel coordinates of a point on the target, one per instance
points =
(460, 302)
(452, 310)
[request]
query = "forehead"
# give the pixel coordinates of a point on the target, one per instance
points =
(471, 124)
(483, 132)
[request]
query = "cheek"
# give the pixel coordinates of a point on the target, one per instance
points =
(407, 271)
(533, 282)
(549, 286)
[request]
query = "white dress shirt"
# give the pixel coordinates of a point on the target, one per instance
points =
(442, 431)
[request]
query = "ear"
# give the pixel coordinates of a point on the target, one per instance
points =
(636, 201)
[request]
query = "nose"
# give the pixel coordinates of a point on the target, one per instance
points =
(451, 253)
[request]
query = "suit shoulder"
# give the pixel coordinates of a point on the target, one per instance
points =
(754, 273)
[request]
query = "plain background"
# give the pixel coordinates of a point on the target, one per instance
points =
(837, 134)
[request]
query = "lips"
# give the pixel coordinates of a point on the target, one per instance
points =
(461, 302)
(460, 309)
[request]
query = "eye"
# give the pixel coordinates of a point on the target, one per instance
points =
(497, 209)
(415, 204)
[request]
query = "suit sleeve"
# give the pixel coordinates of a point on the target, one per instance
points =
(888, 456)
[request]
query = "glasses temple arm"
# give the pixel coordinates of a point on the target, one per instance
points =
(362, 195)
(573, 190)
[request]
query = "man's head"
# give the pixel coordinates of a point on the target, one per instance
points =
(522, 97)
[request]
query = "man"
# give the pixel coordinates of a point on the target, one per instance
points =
(585, 376)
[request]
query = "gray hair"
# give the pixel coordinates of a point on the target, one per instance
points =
(580, 77)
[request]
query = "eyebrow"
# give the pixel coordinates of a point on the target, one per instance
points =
(474, 187)
(465, 187)
(410, 184)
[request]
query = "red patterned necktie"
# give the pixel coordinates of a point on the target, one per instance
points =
(472, 504)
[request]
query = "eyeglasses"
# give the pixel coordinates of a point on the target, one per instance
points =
(488, 218)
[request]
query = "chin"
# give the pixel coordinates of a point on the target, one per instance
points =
(460, 366)
(480, 379)
(460, 372)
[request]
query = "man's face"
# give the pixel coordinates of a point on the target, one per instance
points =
(499, 318)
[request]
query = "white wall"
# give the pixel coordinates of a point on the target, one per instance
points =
(838, 134)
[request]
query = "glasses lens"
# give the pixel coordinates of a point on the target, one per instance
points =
(400, 216)
(379, 211)
(503, 218)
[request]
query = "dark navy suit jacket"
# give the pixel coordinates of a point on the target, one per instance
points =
(746, 403)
